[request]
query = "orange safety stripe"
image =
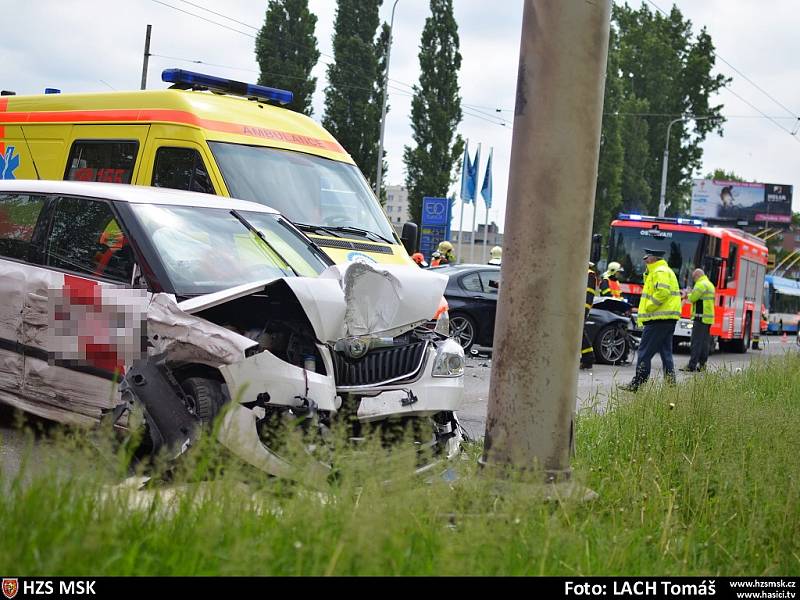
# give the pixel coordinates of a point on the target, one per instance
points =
(149, 115)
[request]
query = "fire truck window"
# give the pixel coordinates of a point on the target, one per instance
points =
(733, 254)
(87, 239)
(181, 169)
(18, 215)
(102, 160)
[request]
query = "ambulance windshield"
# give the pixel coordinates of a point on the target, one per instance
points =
(310, 190)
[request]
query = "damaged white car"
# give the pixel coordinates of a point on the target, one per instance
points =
(200, 306)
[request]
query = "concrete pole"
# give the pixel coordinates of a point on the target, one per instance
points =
(552, 182)
(146, 56)
(379, 174)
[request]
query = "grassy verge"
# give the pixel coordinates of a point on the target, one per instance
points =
(710, 486)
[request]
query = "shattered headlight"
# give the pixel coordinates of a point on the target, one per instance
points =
(443, 324)
(449, 360)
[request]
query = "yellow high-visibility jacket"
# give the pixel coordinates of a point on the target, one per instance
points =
(661, 296)
(703, 291)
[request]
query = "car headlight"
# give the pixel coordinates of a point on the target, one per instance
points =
(449, 360)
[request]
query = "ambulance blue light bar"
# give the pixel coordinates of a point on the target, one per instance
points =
(183, 78)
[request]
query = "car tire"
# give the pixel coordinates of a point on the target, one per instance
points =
(463, 329)
(611, 344)
(204, 396)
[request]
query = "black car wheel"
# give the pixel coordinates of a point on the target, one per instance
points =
(462, 328)
(611, 344)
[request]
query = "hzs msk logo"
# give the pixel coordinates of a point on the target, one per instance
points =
(10, 587)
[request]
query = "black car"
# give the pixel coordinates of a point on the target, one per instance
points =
(472, 296)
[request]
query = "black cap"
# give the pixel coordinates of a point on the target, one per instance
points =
(651, 252)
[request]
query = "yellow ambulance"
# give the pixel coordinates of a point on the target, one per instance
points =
(211, 135)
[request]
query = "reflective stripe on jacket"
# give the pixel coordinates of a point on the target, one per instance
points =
(591, 289)
(610, 287)
(703, 290)
(661, 296)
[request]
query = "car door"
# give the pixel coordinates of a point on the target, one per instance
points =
(482, 306)
(19, 214)
(490, 282)
(74, 311)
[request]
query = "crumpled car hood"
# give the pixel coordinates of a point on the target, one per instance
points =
(351, 300)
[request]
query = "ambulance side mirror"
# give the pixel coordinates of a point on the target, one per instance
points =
(409, 237)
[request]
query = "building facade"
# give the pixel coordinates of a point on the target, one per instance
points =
(397, 206)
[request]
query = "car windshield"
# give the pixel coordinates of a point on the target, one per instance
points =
(684, 250)
(307, 189)
(206, 250)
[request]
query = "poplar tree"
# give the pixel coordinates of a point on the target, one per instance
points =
(355, 78)
(431, 164)
(286, 51)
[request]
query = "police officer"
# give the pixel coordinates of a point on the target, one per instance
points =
(659, 311)
(702, 300)
(609, 286)
(587, 352)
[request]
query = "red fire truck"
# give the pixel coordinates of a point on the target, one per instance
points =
(735, 261)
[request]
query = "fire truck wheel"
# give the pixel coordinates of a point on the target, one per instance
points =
(741, 346)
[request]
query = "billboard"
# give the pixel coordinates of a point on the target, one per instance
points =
(435, 224)
(713, 199)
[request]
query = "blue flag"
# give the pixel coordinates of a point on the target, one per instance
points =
(469, 176)
(486, 189)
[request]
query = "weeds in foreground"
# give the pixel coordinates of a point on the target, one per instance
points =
(704, 482)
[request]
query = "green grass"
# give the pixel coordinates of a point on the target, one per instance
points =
(709, 487)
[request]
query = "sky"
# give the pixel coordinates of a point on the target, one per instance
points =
(97, 45)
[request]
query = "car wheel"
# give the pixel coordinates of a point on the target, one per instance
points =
(611, 344)
(462, 328)
(204, 396)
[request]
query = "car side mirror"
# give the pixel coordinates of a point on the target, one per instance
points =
(493, 283)
(409, 237)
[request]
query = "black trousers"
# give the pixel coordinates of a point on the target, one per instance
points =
(656, 339)
(701, 338)
(587, 351)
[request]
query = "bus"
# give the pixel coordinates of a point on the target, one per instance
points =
(782, 300)
(735, 262)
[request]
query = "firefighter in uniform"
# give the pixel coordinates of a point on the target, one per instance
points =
(702, 300)
(609, 286)
(659, 311)
(587, 352)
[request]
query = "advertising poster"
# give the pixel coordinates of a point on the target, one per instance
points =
(741, 201)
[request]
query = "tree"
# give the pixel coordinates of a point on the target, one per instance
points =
(432, 162)
(723, 175)
(286, 51)
(355, 79)
(665, 65)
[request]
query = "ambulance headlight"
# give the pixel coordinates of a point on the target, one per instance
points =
(449, 360)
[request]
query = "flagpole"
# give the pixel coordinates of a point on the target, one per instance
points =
(461, 195)
(486, 204)
(475, 203)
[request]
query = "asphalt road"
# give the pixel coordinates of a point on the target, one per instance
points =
(595, 386)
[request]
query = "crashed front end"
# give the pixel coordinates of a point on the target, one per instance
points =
(349, 346)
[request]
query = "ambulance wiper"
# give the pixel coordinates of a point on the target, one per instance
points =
(319, 230)
(262, 237)
(370, 235)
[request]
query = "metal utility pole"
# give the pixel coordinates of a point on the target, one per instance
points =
(662, 202)
(552, 181)
(379, 175)
(146, 56)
